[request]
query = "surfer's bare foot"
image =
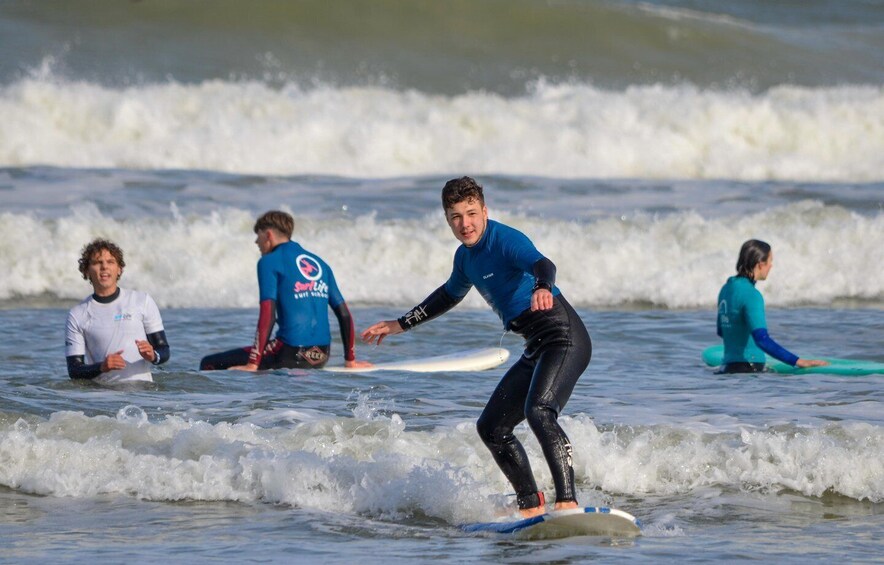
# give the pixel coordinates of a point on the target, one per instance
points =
(566, 505)
(532, 512)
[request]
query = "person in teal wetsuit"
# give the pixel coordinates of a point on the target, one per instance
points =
(741, 322)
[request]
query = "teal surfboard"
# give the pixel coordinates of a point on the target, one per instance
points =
(712, 356)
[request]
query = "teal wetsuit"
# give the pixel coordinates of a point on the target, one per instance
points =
(742, 325)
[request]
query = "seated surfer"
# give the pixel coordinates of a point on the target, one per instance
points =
(114, 335)
(296, 289)
(741, 323)
(518, 282)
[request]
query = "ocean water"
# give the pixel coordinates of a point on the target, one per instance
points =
(637, 144)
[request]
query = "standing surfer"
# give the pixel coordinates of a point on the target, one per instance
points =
(518, 282)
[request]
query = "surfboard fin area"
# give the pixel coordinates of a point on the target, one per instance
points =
(470, 360)
(589, 521)
(714, 355)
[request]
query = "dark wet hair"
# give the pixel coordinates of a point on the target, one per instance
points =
(280, 221)
(95, 247)
(752, 253)
(458, 190)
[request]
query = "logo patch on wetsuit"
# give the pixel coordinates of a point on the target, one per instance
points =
(314, 355)
(309, 267)
(415, 316)
(488, 276)
(311, 270)
(722, 312)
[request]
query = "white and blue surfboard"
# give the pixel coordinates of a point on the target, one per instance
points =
(589, 521)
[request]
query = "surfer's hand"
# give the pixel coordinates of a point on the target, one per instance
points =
(357, 364)
(542, 299)
(377, 333)
(146, 350)
(113, 361)
(251, 367)
(805, 363)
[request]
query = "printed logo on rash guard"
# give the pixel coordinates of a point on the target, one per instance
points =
(309, 267)
(722, 312)
(124, 317)
(312, 271)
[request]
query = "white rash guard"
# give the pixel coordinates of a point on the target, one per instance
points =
(96, 330)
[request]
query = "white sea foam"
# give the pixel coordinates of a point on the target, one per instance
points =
(822, 253)
(557, 130)
(377, 466)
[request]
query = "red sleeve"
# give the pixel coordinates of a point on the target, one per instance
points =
(266, 319)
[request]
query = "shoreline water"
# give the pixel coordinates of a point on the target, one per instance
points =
(308, 463)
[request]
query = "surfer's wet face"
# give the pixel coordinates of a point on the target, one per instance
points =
(467, 220)
(755, 260)
(762, 269)
(104, 272)
(465, 211)
(264, 241)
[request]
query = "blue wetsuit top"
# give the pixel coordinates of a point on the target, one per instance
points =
(500, 265)
(303, 287)
(741, 317)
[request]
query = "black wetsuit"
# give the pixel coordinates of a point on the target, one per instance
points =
(557, 350)
(507, 269)
(277, 355)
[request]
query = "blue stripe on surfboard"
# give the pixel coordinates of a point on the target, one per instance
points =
(512, 527)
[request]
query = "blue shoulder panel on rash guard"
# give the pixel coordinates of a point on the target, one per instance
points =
(772, 348)
(501, 267)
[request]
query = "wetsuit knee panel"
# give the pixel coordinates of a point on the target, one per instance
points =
(541, 413)
(491, 432)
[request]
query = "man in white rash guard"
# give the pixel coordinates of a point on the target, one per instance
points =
(115, 334)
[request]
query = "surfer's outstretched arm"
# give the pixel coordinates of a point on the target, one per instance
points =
(433, 306)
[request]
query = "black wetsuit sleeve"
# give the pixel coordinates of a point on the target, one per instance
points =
(544, 274)
(78, 369)
(160, 345)
(348, 330)
(433, 306)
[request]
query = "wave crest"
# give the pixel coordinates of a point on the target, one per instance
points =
(570, 130)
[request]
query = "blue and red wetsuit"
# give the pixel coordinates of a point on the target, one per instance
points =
(296, 289)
